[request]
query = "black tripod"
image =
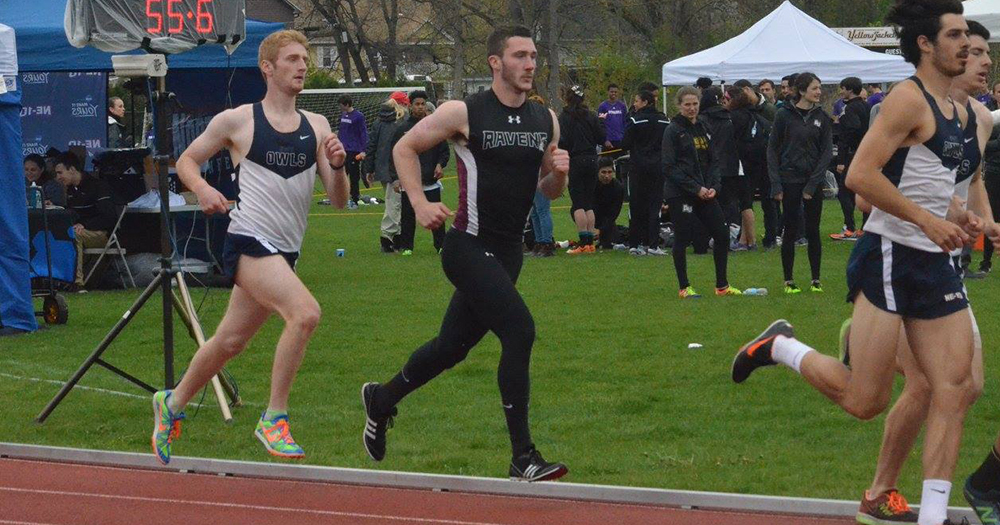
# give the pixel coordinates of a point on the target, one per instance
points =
(164, 277)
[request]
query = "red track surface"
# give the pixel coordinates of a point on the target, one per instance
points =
(33, 492)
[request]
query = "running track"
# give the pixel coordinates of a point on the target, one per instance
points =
(50, 493)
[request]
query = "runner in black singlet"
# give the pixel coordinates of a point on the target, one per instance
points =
(505, 147)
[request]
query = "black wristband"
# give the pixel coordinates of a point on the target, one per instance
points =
(339, 167)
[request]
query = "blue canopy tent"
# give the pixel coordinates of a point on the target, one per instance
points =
(42, 47)
(16, 311)
(42, 44)
(205, 79)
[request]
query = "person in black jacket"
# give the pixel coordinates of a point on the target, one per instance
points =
(581, 134)
(798, 155)
(432, 163)
(644, 140)
(752, 130)
(853, 126)
(735, 196)
(608, 200)
(89, 201)
(691, 189)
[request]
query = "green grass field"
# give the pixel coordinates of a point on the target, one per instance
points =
(616, 392)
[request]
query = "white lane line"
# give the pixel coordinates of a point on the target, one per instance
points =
(264, 508)
(107, 391)
(8, 522)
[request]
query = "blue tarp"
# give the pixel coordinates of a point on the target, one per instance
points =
(16, 309)
(42, 44)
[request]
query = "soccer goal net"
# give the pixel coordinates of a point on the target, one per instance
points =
(326, 102)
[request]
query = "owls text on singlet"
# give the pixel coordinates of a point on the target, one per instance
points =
(274, 184)
(927, 175)
(498, 166)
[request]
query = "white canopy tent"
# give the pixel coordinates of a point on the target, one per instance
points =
(784, 42)
(986, 12)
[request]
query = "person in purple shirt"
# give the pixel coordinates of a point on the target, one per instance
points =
(875, 94)
(353, 133)
(612, 113)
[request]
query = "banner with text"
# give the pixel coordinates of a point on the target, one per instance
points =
(60, 110)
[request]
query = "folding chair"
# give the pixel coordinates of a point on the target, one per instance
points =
(112, 248)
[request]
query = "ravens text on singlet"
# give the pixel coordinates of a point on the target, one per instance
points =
(927, 175)
(274, 184)
(498, 166)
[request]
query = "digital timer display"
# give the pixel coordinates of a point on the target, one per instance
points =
(165, 26)
(173, 11)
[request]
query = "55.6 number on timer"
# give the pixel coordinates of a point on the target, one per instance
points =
(157, 10)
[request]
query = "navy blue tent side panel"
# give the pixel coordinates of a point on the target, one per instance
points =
(16, 308)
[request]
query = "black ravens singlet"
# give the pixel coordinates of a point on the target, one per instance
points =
(498, 168)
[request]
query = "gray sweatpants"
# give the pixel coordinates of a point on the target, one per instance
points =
(390, 219)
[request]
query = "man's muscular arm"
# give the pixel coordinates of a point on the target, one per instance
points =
(896, 122)
(449, 121)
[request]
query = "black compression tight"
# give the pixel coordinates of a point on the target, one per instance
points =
(793, 203)
(485, 299)
(684, 213)
(645, 188)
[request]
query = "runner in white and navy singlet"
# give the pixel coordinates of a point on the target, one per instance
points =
(895, 264)
(274, 182)
(274, 186)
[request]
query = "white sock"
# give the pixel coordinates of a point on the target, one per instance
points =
(934, 502)
(789, 352)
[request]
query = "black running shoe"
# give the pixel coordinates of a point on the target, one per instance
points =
(531, 467)
(965, 521)
(757, 353)
(375, 424)
(986, 504)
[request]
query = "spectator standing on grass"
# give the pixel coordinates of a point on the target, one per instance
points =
(432, 164)
(799, 152)
(703, 83)
(378, 166)
(760, 103)
(692, 189)
(581, 134)
(612, 113)
(736, 197)
(644, 142)
(645, 86)
(541, 214)
(875, 95)
(35, 173)
(752, 129)
(991, 177)
(353, 133)
(766, 89)
(719, 125)
(853, 126)
(786, 91)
